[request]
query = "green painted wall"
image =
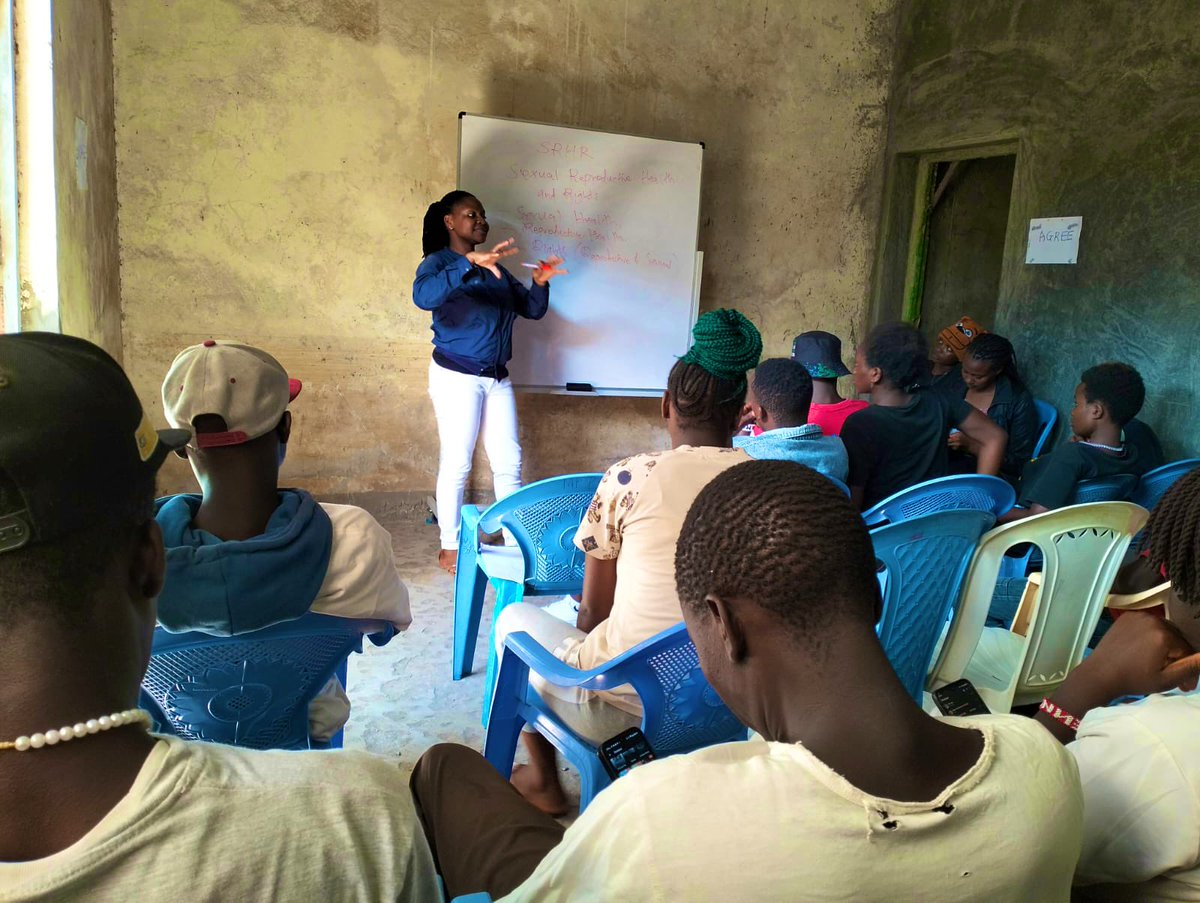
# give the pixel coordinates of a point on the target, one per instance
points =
(1102, 101)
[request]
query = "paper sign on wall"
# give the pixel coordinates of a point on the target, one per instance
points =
(1054, 239)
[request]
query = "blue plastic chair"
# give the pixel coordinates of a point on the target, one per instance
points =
(926, 559)
(1154, 485)
(252, 689)
(681, 711)
(1047, 420)
(969, 492)
(543, 518)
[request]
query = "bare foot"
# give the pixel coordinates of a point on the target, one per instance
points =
(448, 560)
(547, 796)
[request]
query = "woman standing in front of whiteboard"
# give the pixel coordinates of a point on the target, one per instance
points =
(474, 301)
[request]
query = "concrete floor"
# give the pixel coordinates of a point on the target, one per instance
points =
(403, 700)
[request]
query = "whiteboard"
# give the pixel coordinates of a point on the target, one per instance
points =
(624, 212)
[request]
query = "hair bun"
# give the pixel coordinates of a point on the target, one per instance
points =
(725, 343)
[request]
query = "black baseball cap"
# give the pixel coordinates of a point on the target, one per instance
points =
(73, 437)
(820, 353)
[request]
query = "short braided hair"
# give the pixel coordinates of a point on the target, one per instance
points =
(1172, 537)
(708, 384)
(434, 236)
(782, 536)
(998, 351)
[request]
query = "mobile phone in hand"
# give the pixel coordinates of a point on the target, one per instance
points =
(959, 698)
(624, 752)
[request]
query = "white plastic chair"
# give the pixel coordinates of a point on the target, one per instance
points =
(1082, 547)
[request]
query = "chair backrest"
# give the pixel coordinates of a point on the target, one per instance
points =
(681, 710)
(926, 560)
(1047, 419)
(1105, 489)
(965, 492)
(1154, 485)
(251, 689)
(543, 518)
(1082, 547)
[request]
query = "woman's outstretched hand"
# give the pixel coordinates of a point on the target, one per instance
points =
(490, 260)
(548, 269)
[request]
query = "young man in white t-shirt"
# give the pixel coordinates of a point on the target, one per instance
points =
(628, 535)
(851, 792)
(247, 554)
(95, 809)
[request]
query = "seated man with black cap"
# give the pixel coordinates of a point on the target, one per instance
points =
(95, 808)
(248, 554)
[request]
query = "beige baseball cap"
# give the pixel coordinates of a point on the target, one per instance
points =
(244, 386)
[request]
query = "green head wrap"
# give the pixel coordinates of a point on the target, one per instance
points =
(725, 344)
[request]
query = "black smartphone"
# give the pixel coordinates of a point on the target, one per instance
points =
(626, 751)
(959, 698)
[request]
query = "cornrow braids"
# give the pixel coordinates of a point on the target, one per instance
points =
(699, 397)
(996, 350)
(1172, 537)
(708, 384)
(433, 228)
(778, 535)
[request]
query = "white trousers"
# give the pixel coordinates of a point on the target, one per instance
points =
(463, 404)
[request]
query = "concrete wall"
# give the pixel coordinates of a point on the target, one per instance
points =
(1100, 100)
(85, 163)
(275, 158)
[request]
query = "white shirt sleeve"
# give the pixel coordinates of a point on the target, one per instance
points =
(1140, 789)
(361, 581)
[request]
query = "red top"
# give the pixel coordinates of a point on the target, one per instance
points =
(830, 417)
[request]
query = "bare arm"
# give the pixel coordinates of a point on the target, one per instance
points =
(599, 587)
(990, 439)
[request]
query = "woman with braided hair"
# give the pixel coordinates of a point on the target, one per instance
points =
(474, 301)
(629, 534)
(992, 384)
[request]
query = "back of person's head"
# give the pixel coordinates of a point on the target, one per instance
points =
(1172, 538)
(707, 386)
(820, 353)
(779, 536)
(78, 460)
(784, 390)
(1116, 386)
(997, 352)
(900, 353)
(434, 235)
(233, 397)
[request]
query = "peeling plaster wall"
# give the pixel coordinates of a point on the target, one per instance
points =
(275, 158)
(85, 163)
(1102, 100)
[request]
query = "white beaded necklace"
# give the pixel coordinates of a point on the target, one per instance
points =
(138, 717)
(1111, 448)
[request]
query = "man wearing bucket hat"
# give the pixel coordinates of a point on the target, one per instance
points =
(821, 355)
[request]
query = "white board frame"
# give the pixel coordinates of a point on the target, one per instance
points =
(697, 273)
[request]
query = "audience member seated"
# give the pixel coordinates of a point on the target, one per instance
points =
(900, 440)
(992, 384)
(1138, 434)
(1137, 762)
(820, 353)
(248, 554)
(1106, 399)
(96, 808)
(778, 401)
(850, 792)
(628, 535)
(945, 361)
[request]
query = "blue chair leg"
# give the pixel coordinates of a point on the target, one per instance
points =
(470, 584)
(504, 726)
(507, 593)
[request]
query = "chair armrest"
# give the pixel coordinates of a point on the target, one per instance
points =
(481, 897)
(469, 522)
(874, 516)
(623, 670)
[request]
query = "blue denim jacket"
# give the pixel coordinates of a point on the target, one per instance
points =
(802, 444)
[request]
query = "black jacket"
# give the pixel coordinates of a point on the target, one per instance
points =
(1013, 410)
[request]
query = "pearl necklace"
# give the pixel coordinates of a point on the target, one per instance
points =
(138, 717)
(1111, 448)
